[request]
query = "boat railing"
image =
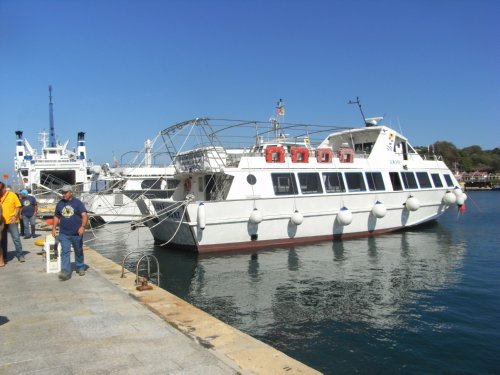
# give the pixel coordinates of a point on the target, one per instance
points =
(361, 155)
(57, 161)
(431, 157)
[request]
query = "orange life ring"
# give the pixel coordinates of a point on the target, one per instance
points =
(187, 184)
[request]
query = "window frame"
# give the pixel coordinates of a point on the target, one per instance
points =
(310, 177)
(340, 188)
(275, 179)
(374, 179)
(361, 180)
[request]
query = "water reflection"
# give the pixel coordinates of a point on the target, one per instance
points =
(371, 280)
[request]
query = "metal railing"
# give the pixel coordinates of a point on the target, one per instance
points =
(148, 258)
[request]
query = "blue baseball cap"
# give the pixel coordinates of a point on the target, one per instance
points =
(24, 192)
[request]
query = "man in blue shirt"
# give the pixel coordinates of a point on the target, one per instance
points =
(28, 213)
(71, 216)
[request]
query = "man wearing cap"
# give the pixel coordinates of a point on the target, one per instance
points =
(71, 216)
(28, 213)
(11, 207)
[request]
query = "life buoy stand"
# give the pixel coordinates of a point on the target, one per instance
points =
(187, 184)
(324, 155)
(275, 154)
(300, 155)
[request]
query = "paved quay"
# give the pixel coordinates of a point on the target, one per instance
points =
(100, 324)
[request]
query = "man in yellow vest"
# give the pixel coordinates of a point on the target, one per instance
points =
(11, 211)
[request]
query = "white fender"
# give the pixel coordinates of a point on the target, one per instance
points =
(297, 218)
(255, 216)
(201, 216)
(344, 216)
(461, 199)
(412, 204)
(379, 210)
(457, 191)
(449, 198)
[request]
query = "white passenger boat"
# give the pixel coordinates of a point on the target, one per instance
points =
(294, 184)
(43, 172)
(112, 198)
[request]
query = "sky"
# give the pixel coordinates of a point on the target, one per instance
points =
(123, 70)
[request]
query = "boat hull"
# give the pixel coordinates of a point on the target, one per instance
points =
(228, 225)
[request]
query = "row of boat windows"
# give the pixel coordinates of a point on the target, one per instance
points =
(339, 182)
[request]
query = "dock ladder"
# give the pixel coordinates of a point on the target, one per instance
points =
(146, 257)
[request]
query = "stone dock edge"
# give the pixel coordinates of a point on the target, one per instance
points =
(228, 343)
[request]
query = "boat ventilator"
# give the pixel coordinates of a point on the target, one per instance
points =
(148, 258)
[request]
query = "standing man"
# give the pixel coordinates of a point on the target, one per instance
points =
(11, 207)
(71, 216)
(2, 262)
(163, 183)
(28, 213)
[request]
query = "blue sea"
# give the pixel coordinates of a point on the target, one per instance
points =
(421, 301)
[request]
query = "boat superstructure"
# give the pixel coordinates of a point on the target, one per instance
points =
(55, 164)
(294, 183)
(112, 197)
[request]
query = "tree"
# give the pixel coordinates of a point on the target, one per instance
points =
(448, 151)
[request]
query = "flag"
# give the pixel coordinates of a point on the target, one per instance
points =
(281, 108)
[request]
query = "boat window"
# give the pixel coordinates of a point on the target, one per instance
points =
(284, 183)
(448, 180)
(437, 180)
(217, 186)
(151, 184)
(355, 181)
(172, 183)
(363, 148)
(395, 181)
(405, 151)
(334, 183)
(375, 181)
(409, 180)
(423, 180)
(251, 179)
(310, 183)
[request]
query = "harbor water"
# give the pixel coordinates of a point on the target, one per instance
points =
(425, 300)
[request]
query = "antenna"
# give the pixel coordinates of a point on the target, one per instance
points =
(52, 136)
(360, 109)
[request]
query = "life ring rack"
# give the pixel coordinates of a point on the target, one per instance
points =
(275, 154)
(324, 155)
(300, 155)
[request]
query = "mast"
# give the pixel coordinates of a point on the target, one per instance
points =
(359, 106)
(52, 136)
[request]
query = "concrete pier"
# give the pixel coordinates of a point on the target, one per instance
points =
(100, 324)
